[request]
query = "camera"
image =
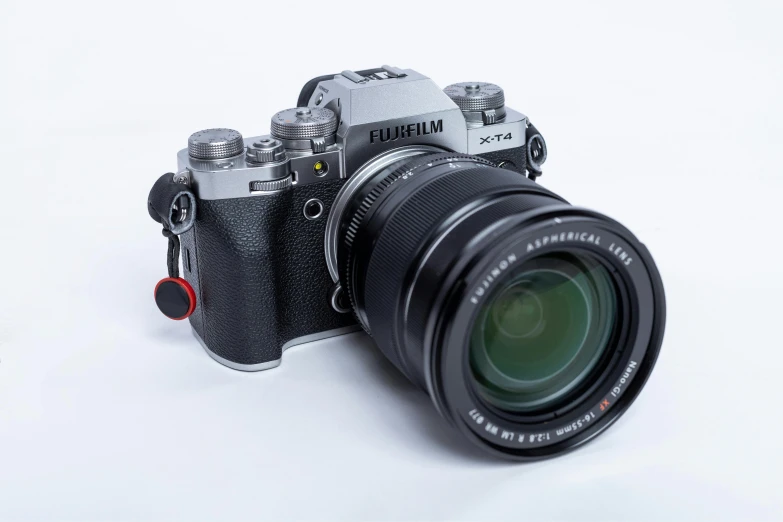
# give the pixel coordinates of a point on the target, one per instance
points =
(382, 202)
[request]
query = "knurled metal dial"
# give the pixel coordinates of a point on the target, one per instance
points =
(212, 144)
(476, 96)
(304, 123)
(271, 186)
(266, 150)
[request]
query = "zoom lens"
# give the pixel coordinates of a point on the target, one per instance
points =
(531, 324)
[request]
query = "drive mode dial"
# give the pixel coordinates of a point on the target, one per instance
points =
(304, 123)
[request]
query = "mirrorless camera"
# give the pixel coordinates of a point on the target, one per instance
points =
(386, 203)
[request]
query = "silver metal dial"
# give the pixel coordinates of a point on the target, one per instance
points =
(271, 186)
(212, 144)
(266, 150)
(304, 123)
(476, 96)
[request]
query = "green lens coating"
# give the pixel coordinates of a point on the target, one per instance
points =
(542, 332)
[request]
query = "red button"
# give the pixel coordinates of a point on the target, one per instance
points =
(175, 298)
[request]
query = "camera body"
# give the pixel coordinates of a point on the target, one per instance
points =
(260, 250)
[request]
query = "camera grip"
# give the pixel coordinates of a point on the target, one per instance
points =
(237, 251)
(261, 273)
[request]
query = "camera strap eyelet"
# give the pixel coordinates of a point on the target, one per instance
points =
(173, 205)
(536, 151)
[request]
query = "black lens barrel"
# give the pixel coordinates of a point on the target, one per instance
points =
(421, 241)
(393, 224)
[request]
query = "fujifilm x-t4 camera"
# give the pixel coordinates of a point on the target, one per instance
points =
(385, 203)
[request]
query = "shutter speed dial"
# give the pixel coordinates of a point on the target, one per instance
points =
(304, 123)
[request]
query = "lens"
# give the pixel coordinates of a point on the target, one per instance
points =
(531, 324)
(542, 332)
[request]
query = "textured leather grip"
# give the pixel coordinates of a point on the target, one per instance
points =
(258, 267)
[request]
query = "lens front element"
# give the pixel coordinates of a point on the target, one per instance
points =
(543, 332)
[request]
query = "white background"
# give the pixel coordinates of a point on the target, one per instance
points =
(666, 116)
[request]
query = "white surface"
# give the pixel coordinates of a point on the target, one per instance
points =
(666, 116)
